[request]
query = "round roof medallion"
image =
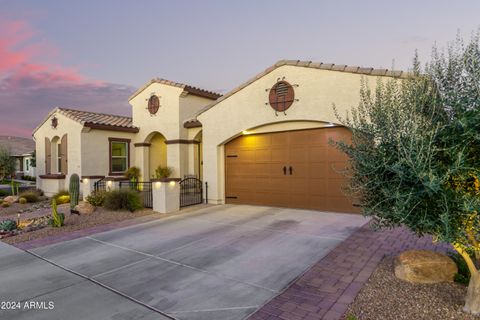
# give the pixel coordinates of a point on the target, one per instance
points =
(281, 96)
(54, 122)
(153, 104)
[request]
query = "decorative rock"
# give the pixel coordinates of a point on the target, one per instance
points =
(84, 208)
(424, 266)
(10, 199)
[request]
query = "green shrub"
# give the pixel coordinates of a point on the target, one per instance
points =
(30, 195)
(8, 225)
(4, 193)
(22, 200)
(5, 204)
(96, 198)
(122, 199)
(463, 274)
(163, 172)
(351, 317)
(62, 196)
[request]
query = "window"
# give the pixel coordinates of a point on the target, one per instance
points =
(119, 150)
(59, 158)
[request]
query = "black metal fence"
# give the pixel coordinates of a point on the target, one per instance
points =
(191, 192)
(100, 185)
(143, 187)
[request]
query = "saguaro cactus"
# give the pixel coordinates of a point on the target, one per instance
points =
(74, 191)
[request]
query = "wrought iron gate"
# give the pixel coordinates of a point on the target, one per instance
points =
(191, 192)
(100, 185)
(143, 187)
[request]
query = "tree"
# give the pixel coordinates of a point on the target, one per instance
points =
(7, 163)
(415, 153)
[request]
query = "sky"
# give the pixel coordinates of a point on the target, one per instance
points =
(92, 55)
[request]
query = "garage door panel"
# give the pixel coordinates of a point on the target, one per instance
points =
(256, 175)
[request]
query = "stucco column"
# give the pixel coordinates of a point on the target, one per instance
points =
(142, 154)
(213, 172)
(88, 186)
(173, 159)
(166, 196)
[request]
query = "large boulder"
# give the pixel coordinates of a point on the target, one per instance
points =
(424, 266)
(10, 199)
(85, 208)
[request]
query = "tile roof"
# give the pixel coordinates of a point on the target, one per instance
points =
(96, 120)
(17, 145)
(190, 89)
(314, 65)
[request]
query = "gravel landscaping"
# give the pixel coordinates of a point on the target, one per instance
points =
(386, 297)
(77, 222)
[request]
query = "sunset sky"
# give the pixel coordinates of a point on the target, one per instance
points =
(92, 55)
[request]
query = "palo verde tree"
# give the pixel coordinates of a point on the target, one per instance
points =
(415, 153)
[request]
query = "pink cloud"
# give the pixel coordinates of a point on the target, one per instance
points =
(18, 57)
(30, 88)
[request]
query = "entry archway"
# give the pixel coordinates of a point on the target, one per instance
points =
(157, 153)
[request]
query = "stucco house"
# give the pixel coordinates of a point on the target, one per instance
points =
(266, 142)
(21, 150)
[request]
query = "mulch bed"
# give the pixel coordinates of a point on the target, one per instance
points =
(386, 297)
(101, 216)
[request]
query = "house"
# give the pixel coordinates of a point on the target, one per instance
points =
(266, 142)
(22, 150)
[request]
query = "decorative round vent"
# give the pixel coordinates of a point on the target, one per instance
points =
(281, 96)
(54, 122)
(153, 104)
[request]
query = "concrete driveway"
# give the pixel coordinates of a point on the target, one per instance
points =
(220, 262)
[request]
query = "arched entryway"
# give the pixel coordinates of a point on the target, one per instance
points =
(157, 156)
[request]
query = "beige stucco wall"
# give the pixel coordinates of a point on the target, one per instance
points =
(176, 106)
(65, 126)
(317, 91)
(95, 150)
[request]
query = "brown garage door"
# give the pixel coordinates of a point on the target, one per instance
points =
(297, 169)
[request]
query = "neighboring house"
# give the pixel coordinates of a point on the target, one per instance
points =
(266, 142)
(22, 150)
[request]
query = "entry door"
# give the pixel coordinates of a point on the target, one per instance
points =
(297, 169)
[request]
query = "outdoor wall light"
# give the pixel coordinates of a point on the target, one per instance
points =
(85, 180)
(246, 132)
(109, 183)
(172, 183)
(158, 184)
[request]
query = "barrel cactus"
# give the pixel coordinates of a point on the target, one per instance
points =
(74, 191)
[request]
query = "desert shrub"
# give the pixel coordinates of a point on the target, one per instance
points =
(39, 192)
(8, 225)
(62, 196)
(96, 198)
(22, 200)
(122, 199)
(5, 204)
(30, 196)
(163, 172)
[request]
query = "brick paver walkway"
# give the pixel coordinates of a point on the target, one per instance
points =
(326, 290)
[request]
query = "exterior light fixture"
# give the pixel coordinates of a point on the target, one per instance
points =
(246, 132)
(172, 183)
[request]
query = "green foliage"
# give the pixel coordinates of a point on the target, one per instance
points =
(133, 174)
(62, 197)
(74, 190)
(22, 200)
(123, 199)
(463, 274)
(57, 219)
(7, 163)
(8, 225)
(3, 193)
(29, 178)
(30, 195)
(351, 316)
(163, 172)
(415, 149)
(96, 198)
(33, 160)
